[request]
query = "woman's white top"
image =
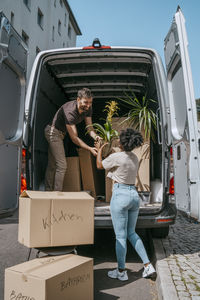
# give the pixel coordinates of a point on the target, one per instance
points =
(124, 167)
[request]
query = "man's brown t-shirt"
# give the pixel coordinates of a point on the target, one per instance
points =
(68, 114)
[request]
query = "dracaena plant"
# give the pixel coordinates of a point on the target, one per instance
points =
(141, 116)
(105, 131)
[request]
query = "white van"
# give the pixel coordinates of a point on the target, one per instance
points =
(56, 77)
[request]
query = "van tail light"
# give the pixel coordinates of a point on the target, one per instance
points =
(96, 45)
(23, 183)
(23, 171)
(171, 182)
(171, 151)
(171, 186)
(168, 220)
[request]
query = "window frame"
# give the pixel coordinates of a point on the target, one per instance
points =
(59, 27)
(40, 18)
(27, 3)
(25, 37)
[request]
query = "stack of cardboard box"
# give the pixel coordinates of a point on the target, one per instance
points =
(72, 180)
(143, 153)
(51, 219)
(92, 178)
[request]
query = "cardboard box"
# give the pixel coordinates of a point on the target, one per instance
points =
(109, 187)
(55, 219)
(72, 180)
(143, 176)
(51, 278)
(92, 178)
(143, 153)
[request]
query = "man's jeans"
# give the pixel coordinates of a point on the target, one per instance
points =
(124, 211)
(57, 165)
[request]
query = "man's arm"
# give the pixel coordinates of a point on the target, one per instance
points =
(92, 133)
(76, 140)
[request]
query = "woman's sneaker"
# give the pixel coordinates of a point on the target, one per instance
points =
(149, 271)
(119, 275)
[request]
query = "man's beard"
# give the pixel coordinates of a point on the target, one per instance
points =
(83, 108)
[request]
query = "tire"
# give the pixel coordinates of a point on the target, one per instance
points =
(160, 232)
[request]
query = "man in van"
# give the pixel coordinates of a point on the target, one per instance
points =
(65, 120)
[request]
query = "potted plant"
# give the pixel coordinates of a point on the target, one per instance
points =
(105, 131)
(140, 116)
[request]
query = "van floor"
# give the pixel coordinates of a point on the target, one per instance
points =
(102, 207)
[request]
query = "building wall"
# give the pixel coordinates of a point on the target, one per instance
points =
(54, 14)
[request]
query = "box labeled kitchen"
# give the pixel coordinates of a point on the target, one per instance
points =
(55, 218)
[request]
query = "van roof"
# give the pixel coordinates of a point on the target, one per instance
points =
(107, 72)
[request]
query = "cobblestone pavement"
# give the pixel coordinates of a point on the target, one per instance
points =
(182, 249)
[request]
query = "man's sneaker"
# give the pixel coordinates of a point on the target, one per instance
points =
(119, 275)
(149, 271)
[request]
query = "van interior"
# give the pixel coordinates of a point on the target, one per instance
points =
(109, 73)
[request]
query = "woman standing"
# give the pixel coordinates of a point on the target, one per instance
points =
(125, 201)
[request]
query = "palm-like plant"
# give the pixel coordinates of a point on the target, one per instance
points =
(140, 115)
(105, 131)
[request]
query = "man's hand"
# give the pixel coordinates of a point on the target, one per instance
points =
(98, 138)
(93, 151)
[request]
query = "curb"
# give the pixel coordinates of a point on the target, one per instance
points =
(164, 283)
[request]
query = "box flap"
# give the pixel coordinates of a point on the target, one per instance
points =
(55, 195)
(47, 267)
(24, 194)
(36, 194)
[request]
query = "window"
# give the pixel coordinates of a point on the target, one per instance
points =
(12, 18)
(63, 44)
(59, 27)
(53, 33)
(40, 18)
(25, 37)
(37, 50)
(69, 31)
(27, 3)
(65, 23)
(61, 3)
(54, 3)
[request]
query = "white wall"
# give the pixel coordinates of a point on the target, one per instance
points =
(26, 19)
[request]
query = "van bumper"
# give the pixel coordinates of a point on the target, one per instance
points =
(165, 218)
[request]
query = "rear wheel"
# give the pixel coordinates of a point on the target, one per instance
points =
(160, 232)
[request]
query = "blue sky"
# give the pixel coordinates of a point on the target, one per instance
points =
(142, 23)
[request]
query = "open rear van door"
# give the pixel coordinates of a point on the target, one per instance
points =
(184, 128)
(13, 58)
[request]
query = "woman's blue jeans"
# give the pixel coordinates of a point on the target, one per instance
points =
(124, 209)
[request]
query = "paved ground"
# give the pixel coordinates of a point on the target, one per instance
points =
(137, 288)
(178, 261)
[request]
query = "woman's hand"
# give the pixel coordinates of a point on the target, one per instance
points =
(99, 145)
(99, 155)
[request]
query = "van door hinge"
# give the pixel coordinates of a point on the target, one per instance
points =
(26, 116)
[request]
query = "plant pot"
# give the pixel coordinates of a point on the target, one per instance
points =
(107, 150)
